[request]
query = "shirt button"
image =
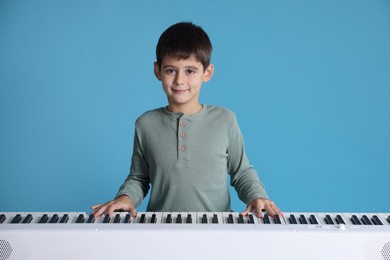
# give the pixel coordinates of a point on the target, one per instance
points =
(181, 148)
(182, 134)
(182, 123)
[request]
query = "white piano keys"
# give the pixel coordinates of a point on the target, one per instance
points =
(37, 217)
(302, 218)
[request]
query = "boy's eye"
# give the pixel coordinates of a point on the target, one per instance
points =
(170, 71)
(190, 71)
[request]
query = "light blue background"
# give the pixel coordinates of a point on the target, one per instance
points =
(308, 80)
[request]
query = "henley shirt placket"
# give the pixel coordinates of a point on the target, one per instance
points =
(182, 144)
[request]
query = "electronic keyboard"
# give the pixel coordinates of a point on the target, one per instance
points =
(194, 235)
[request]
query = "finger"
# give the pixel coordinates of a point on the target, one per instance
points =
(99, 209)
(276, 210)
(95, 206)
(273, 210)
(111, 208)
(95, 209)
(97, 213)
(270, 212)
(247, 210)
(279, 212)
(258, 211)
(245, 213)
(133, 212)
(268, 208)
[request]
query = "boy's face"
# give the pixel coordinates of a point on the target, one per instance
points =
(182, 81)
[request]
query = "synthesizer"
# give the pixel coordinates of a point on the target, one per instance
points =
(194, 235)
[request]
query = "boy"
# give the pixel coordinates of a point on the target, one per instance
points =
(186, 149)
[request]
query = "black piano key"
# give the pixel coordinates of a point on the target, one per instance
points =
(117, 218)
(277, 220)
(43, 219)
(302, 220)
(27, 219)
(204, 219)
(127, 218)
(240, 219)
(179, 219)
(80, 219)
(215, 219)
(328, 220)
(376, 220)
(153, 219)
(189, 219)
(16, 219)
(366, 220)
(355, 220)
(266, 219)
(313, 220)
(91, 218)
(231, 221)
(2, 218)
(292, 219)
(340, 220)
(54, 219)
(169, 219)
(64, 219)
(251, 219)
(143, 219)
(106, 219)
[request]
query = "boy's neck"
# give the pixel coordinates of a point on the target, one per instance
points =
(187, 110)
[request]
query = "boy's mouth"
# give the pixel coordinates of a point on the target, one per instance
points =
(179, 91)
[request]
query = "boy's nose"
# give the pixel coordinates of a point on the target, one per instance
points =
(179, 80)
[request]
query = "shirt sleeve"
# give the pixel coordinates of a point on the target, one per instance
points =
(243, 177)
(136, 185)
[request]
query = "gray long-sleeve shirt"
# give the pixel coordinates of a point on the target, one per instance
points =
(187, 159)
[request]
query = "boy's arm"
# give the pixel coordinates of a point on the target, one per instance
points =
(244, 177)
(135, 187)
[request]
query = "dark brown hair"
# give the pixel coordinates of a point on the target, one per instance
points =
(182, 40)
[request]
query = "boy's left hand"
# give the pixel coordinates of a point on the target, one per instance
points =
(260, 204)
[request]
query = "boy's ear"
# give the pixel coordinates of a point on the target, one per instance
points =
(157, 71)
(209, 72)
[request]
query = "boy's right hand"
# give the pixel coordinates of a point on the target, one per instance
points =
(121, 203)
